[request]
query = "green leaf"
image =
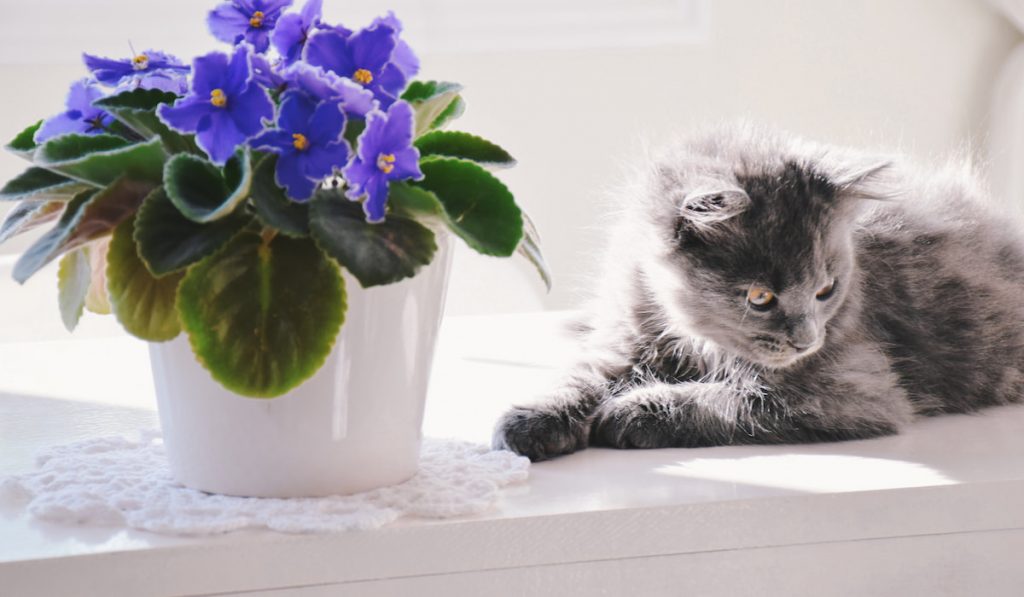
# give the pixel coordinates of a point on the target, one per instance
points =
(263, 315)
(413, 202)
(40, 184)
(73, 278)
(455, 144)
(29, 214)
(375, 254)
(90, 215)
(142, 303)
(168, 241)
(97, 299)
(273, 207)
(530, 248)
(202, 191)
(453, 111)
(430, 100)
(136, 109)
(478, 207)
(24, 145)
(101, 159)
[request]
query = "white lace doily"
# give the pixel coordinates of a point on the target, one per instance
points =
(118, 481)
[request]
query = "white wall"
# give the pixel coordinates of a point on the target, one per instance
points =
(914, 73)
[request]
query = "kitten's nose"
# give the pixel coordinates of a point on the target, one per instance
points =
(802, 334)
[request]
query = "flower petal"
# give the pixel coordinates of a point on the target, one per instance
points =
(372, 48)
(399, 127)
(273, 140)
(290, 174)
(250, 108)
(322, 160)
(296, 110)
(220, 139)
(185, 114)
(326, 123)
(227, 22)
(207, 73)
(375, 205)
(407, 165)
(329, 49)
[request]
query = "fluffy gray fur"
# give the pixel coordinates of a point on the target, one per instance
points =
(926, 316)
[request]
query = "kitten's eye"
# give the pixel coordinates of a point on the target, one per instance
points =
(826, 293)
(760, 297)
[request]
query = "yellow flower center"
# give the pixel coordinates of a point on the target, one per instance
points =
(217, 98)
(300, 141)
(256, 21)
(386, 162)
(363, 76)
(140, 62)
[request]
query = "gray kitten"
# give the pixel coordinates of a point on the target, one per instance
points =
(763, 289)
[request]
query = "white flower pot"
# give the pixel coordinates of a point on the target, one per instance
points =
(353, 426)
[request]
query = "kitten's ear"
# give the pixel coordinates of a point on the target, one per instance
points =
(703, 208)
(867, 179)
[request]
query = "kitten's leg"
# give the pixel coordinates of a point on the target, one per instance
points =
(559, 424)
(693, 414)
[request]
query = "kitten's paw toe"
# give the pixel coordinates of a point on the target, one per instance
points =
(537, 433)
(630, 423)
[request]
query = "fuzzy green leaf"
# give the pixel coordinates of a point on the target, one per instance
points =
(530, 248)
(202, 191)
(142, 303)
(101, 159)
(24, 144)
(273, 207)
(375, 254)
(168, 241)
(40, 184)
(453, 111)
(90, 215)
(455, 144)
(430, 100)
(410, 201)
(29, 214)
(478, 207)
(263, 316)
(136, 109)
(97, 299)
(73, 278)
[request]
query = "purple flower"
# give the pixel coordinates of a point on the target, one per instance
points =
(81, 116)
(149, 70)
(249, 20)
(363, 57)
(266, 73)
(403, 57)
(293, 30)
(385, 154)
(308, 141)
(225, 107)
(323, 85)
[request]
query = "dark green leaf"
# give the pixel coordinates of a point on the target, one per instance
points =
(73, 278)
(90, 215)
(101, 159)
(204, 192)
(456, 144)
(144, 305)
(136, 109)
(24, 144)
(530, 248)
(263, 316)
(375, 254)
(168, 241)
(430, 100)
(29, 214)
(479, 208)
(273, 207)
(40, 184)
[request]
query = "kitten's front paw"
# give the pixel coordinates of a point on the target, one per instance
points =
(538, 433)
(633, 420)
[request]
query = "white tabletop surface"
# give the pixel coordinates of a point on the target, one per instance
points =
(943, 476)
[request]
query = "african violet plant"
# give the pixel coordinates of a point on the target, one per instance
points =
(221, 199)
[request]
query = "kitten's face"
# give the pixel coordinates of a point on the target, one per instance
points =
(764, 282)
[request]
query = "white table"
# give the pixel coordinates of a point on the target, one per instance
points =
(938, 510)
